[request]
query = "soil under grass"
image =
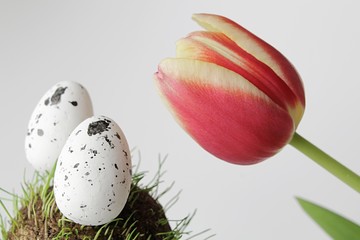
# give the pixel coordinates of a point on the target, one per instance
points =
(142, 218)
(36, 216)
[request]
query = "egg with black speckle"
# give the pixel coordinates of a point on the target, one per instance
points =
(93, 174)
(59, 111)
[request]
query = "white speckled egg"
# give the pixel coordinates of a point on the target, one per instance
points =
(56, 115)
(93, 174)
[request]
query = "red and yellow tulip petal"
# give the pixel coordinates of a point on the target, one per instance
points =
(256, 47)
(222, 111)
(219, 49)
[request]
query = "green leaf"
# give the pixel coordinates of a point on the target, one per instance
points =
(338, 227)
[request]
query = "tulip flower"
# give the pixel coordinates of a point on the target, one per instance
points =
(236, 95)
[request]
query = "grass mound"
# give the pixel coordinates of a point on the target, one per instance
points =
(36, 215)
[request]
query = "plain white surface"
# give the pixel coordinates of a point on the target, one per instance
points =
(113, 48)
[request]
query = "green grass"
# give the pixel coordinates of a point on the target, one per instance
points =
(41, 187)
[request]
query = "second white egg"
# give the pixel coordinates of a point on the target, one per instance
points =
(93, 174)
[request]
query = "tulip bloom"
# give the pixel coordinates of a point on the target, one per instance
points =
(236, 95)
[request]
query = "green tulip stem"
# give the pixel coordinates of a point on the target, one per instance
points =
(326, 161)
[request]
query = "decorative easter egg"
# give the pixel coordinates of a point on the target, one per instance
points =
(93, 174)
(58, 112)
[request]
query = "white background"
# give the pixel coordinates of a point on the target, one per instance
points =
(113, 48)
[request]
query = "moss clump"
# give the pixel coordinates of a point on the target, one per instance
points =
(142, 217)
(37, 216)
